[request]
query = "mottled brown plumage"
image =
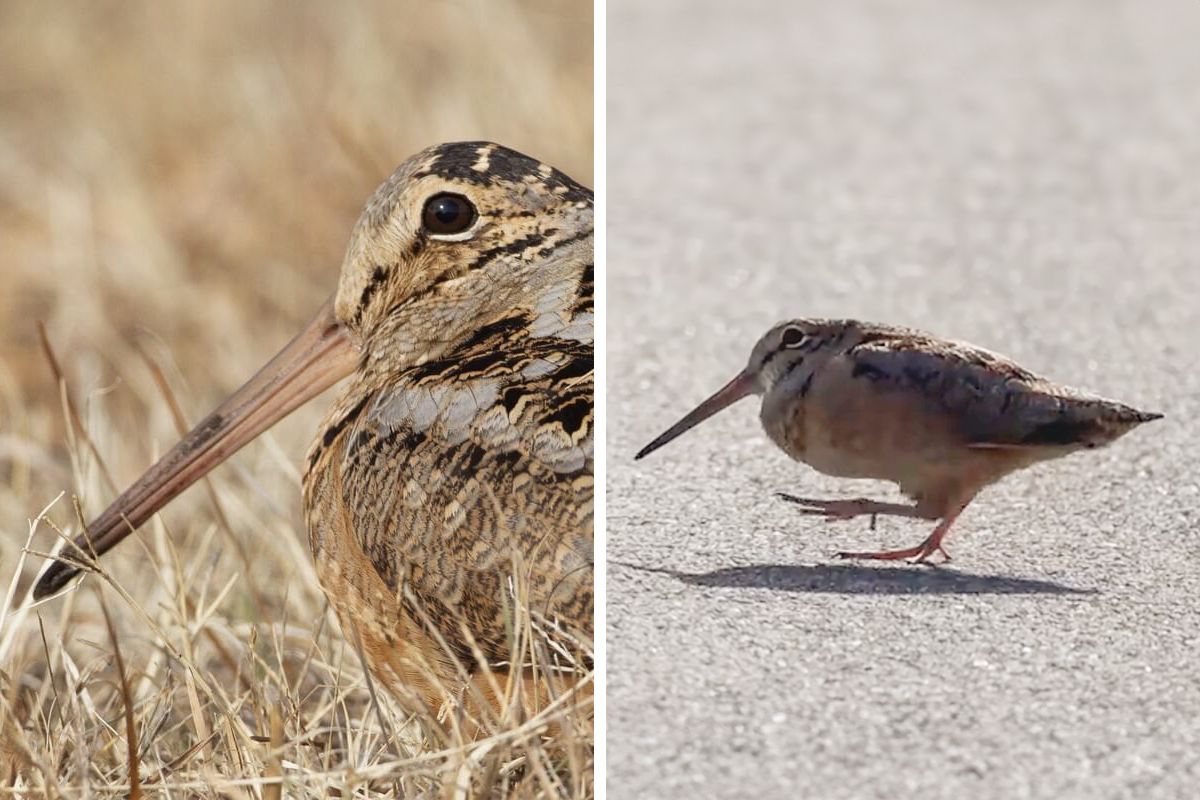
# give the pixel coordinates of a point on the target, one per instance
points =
(460, 455)
(452, 481)
(941, 419)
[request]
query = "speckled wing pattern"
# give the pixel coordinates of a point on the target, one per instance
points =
(993, 401)
(478, 465)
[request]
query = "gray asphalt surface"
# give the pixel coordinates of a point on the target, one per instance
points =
(1025, 176)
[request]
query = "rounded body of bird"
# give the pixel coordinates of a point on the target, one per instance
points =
(941, 419)
(431, 524)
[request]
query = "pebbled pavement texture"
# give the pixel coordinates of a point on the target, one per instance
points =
(1024, 176)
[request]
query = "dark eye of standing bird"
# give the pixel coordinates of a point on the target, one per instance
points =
(448, 213)
(793, 337)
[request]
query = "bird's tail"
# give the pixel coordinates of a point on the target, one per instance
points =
(1089, 422)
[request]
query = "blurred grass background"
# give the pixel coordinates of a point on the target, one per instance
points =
(179, 180)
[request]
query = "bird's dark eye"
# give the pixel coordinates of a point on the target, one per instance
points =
(448, 213)
(792, 337)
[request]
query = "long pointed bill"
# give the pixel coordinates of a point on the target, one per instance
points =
(319, 356)
(741, 386)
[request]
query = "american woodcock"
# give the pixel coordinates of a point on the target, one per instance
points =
(941, 419)
(452, 481)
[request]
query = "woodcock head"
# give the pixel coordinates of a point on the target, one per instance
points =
(774, 362)
(460, 236)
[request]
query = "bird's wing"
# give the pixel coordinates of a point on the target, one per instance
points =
(473, 474)
(992, 401)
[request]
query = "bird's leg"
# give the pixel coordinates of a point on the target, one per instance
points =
(834, 510)
(921, 552)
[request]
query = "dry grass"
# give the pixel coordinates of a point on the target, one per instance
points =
(177, 183)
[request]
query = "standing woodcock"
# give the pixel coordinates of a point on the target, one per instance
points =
(941, 419)
(452, 481)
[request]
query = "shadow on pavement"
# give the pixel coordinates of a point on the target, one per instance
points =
(856, 579)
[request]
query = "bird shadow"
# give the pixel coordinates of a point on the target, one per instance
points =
(852, 579)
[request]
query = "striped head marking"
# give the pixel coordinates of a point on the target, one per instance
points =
(790, 345)
(459, 236)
